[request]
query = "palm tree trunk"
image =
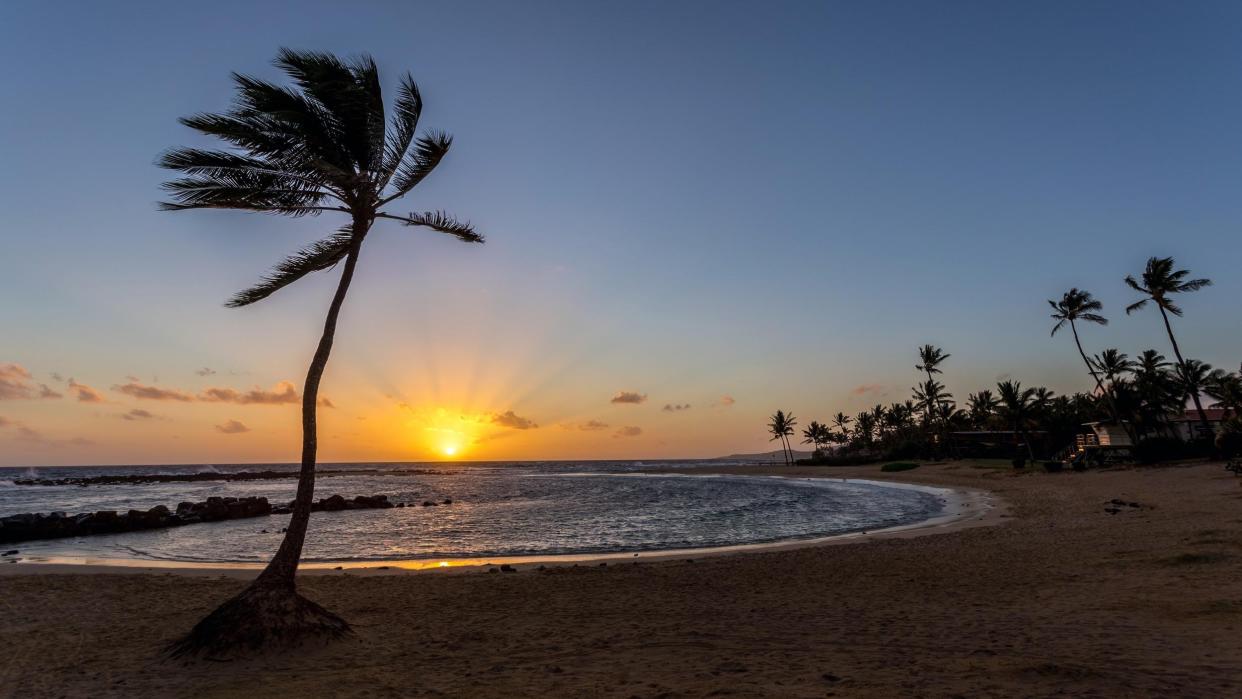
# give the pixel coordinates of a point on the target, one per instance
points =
(1194, 396)
(1108, 396)
(270, 611)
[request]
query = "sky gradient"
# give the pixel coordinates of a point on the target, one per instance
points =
(722, 207)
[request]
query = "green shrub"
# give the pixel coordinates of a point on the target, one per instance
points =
(898, 466)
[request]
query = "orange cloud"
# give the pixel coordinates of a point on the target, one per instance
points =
(675, 407)
(86, 394)
(232, 427)
(628, 431)
(283, 393)
(142, 392)
(510, 419)
(864, 389)
(137, 414)
(631, 397)
(16, 383)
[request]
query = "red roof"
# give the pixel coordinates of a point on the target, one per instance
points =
(1192, 415)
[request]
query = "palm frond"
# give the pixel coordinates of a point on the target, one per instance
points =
(243, 190)
(1137, 305)
(406, 111)
(426, 154)
(442, 222)
(308, 122)
(349, 92)
(315, 257)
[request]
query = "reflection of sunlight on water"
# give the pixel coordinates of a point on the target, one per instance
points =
(496, 513)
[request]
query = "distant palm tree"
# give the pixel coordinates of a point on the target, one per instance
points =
(931, 395)
(842, 422)
(1155, 389)
(782, 427)
(982, 406)
(1158, 282)
(1076, 305)
(1226, 389)
(815, 434)
(1113, 364)
(864, 425)
(1193, 378)
(320, 146)
(1016, 407)
(930, 358)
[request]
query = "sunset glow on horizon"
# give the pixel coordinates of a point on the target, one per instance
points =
(695, 244)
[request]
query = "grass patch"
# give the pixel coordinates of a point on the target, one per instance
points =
(899, 466)
(1192, 559)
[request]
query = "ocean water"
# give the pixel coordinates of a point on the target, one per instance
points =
(498, 510)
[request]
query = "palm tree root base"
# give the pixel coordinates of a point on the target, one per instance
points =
(261, 617)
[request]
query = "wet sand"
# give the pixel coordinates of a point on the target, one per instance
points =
(1059, 598)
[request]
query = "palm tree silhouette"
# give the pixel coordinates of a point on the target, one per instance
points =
(782, 427)
(982, 406)
(842, 422)
(1193, 378)
(1076, 305)
(1158, 282)
(322, 145)
(1016, 406)
(930, 358)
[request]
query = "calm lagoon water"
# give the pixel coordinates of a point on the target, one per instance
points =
(498, 510)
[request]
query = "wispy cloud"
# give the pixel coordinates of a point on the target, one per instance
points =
(628, 431)
(232, 427)
(145, 392)
(588, 426)
(630, 397)
(206, 371)
(283, 393)
(864, 389)
(138, 414)
(511, 419)
(675, 407)
(726, 401)
(16, 383)
(85, 394)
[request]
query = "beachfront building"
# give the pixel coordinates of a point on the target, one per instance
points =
(1188, 426)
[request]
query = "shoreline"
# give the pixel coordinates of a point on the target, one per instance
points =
(962, 508)
(1073, 596)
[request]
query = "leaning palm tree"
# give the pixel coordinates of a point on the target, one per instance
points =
(1076, 305)
(781, 427)
(1158, 282)
(321, 145)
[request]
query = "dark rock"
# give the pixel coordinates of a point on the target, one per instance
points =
(10, 552)
(428, 503)
(506, 568)
(448, 501)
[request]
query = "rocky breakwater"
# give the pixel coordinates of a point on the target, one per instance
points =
(55, 525)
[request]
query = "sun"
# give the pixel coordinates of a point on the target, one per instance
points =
(449, 449)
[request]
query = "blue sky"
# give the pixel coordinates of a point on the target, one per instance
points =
(776, 202)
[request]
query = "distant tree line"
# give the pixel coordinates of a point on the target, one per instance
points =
(1144, 395)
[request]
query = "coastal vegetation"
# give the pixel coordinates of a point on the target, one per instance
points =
(325, 144)
(1145, 398)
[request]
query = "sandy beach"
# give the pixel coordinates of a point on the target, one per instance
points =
(1053, 596)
